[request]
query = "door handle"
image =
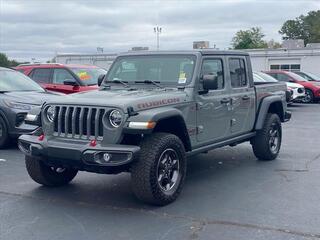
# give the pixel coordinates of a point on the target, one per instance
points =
(246, 97)
(225, 100)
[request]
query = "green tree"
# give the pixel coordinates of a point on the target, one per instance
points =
(5, 62)
(249, 39)
(303, 27)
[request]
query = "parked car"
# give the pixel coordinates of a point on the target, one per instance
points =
(312, 89)
(18, 95)
(309, 76)
(152, 111)
(258, 80)
(65, 78)
(298, 91)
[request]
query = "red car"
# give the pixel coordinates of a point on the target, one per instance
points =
(312, 88)
(65, 78)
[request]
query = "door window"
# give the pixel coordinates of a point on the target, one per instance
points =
(60, 75)
(283, 77)
(41, 75)
(214, 67)
(237, 72)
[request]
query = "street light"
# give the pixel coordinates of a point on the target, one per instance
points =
(157, 31)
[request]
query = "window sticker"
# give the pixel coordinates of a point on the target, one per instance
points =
(182, 77)
(83, 76)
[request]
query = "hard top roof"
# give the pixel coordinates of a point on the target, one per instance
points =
(197, 51)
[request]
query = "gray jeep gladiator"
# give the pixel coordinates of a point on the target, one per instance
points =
(154, 109)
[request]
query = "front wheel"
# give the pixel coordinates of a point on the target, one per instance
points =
(158, 175)
(266, 144)
(309, 97)
(47, 175)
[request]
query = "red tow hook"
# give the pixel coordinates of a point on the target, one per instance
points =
(93, 143)
(41, 137)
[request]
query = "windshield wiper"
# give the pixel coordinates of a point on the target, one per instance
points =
(150, 82)
(118, 81)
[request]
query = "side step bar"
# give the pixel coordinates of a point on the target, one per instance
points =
(206, 148)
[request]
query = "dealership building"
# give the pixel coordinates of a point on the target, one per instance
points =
(288, 58)
(103, 60)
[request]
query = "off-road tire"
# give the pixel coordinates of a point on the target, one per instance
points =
(46, 175)
(144, 172)
(261, 142)
(4, 135)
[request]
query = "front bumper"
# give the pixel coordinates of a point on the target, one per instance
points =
(78, 154)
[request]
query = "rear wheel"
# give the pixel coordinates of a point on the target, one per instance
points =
(4, 135)
(266, 144)
(46, 175)
(158, 175)
(309, 97)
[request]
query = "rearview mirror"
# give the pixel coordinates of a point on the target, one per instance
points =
(100, 79)
(209, 82)
(70, 82)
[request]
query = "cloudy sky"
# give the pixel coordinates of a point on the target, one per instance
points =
(40, 28)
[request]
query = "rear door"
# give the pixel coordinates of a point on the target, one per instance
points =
(242, 96)
(213, 107)
(42, 76)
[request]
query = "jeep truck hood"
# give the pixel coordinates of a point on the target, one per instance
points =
(139, 99)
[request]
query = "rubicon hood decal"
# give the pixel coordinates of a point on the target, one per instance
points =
(158, 103)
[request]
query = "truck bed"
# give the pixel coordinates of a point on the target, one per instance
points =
(266, 89)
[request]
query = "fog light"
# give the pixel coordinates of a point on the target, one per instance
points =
(106, 157)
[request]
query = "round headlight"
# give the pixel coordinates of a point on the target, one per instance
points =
(51, 113)
(115, 118)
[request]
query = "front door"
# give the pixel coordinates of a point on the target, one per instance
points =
(59, 76)
(213, 107)
(242, 97)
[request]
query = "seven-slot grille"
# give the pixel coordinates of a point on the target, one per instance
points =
(79, 122)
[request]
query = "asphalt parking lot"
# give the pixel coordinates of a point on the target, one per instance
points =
(228, 195)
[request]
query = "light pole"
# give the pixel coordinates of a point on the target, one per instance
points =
(157, 31)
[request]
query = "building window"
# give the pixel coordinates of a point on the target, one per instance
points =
(274, 67)
(285, 67)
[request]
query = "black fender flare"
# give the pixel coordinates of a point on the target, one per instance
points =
(264, 109)
(157, 115)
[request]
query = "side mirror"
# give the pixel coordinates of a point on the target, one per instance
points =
(210, 82)
(70, 82)
(100, 79)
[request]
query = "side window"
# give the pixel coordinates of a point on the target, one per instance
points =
(274, 75)
(237, 72)
(283, 77)
(214, 67)
(60, 75)
(41, 75)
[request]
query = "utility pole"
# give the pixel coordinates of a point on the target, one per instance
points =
(157, 31)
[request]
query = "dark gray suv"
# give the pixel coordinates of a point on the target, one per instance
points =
(18, 95)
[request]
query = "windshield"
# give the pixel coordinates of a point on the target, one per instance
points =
(309, 76)
(266, 77)
(257, 78)
(297, 77)
(165, 69)
(11, 81)
(89, 76)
